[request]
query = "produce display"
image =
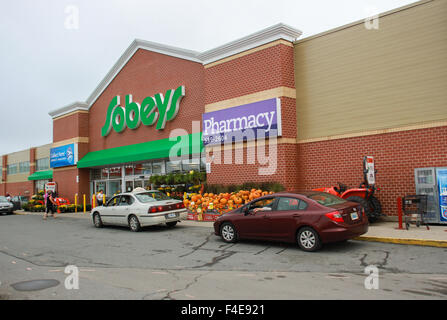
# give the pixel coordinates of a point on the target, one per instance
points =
(201, 206)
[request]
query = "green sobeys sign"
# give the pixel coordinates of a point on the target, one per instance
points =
(153, 109)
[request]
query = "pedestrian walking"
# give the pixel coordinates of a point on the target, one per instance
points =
(49, 205)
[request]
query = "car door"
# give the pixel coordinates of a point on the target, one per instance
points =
(284, 219)
(108, 211)
(123, 209)
(253, 222)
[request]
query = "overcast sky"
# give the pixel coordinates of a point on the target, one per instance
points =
(46, 64)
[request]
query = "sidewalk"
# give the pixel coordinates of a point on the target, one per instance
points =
(378, 231)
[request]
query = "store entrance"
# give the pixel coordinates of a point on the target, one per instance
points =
(137, 183)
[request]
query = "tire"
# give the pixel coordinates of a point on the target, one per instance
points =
(171, 224)
(308, 239)
(366, 207)
(375, 207)
(97, 222)
(228, 232)
(134, 224)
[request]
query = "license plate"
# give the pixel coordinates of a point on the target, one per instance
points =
(171, 215)
(354, 216)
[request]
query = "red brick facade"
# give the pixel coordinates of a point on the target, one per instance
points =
(396, 155)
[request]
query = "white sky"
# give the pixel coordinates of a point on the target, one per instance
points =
(45, 66)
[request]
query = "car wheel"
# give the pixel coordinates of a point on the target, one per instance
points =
(228, 232)
(308, 239)
(171, 224)
(97, 220)
(134, 224)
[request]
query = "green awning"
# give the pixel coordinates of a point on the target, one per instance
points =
(182, 145)
(41, 175)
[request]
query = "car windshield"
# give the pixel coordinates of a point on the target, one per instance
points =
(3, 199)
(326, 199)
(146, 197)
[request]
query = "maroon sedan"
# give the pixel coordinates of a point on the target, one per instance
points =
(308, 218)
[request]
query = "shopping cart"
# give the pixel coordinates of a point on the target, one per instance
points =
(414, 208)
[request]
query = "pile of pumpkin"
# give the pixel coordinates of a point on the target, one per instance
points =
(223, 202)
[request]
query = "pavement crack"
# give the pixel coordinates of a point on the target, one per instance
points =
(168, 296)
(259, 252)
(198, 247)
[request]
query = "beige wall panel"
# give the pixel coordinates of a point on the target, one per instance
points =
(356, 80)
(43, 151)
(17, 157)
(19, 177)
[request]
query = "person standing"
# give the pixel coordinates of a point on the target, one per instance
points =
(100, 197)
(8, 197)
(49, 206)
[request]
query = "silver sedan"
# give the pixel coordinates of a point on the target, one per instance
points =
(139, 209)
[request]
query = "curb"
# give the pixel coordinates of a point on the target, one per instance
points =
(416, 242)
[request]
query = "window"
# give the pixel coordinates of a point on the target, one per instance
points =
(126, 201)
(285, 204)
(203, 164)
(191, 164)
(158, 167)
(325, 199)
(143, 169)
(42, 164)
(12, 168)
(113, 202)
(128, 169)
(263, 205)
(24, 167)
(173, 166)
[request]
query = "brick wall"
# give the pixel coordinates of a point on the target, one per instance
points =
(396, 155)
(146, 74)
(258, 71)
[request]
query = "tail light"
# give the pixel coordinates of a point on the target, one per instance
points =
(180, 205)
(156, 209)
(335, 216)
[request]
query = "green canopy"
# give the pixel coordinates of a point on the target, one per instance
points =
(41, 175)
(181, 145)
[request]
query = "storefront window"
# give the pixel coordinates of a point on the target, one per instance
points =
(191, 164)
(173, 166)
(128, 169)
(105, 173)
(12, 168)
(95, 174)
(40, 185)
(143, 169)
(24, 167)
(158, 167)
(114, 172)
(203, 164)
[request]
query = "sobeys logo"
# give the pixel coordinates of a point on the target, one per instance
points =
(133, 114)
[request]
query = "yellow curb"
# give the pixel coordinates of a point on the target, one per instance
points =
(416, 242)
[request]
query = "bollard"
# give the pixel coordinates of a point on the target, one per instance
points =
(103, 199)
(84, 205)
(76, 202)
(93, 201)
(399, 213)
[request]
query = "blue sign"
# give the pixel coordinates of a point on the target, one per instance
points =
(62, 156)
(442, 185)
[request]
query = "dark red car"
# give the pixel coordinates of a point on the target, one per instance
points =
(308, 218)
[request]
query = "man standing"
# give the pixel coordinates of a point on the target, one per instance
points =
(100, 197)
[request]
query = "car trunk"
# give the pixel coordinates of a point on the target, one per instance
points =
(349, 210)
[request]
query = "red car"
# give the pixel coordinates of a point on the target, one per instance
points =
(308, 218)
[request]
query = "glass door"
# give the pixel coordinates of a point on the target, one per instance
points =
(114, 188)
(129, 186)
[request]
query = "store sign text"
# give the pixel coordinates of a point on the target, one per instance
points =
(160, 108)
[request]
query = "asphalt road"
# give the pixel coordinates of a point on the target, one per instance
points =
(190, 262)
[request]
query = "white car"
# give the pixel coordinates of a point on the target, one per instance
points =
(139, 208)
(6, 206)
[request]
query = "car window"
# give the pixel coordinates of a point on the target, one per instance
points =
(285, 204)
(113, 202)
(263, 204)
(126, 201)
(326, 199)
(153, 196)
(3, 199)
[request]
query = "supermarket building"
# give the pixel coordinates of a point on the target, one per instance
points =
(333, 98)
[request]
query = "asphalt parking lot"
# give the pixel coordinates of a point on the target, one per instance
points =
(190, 262)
